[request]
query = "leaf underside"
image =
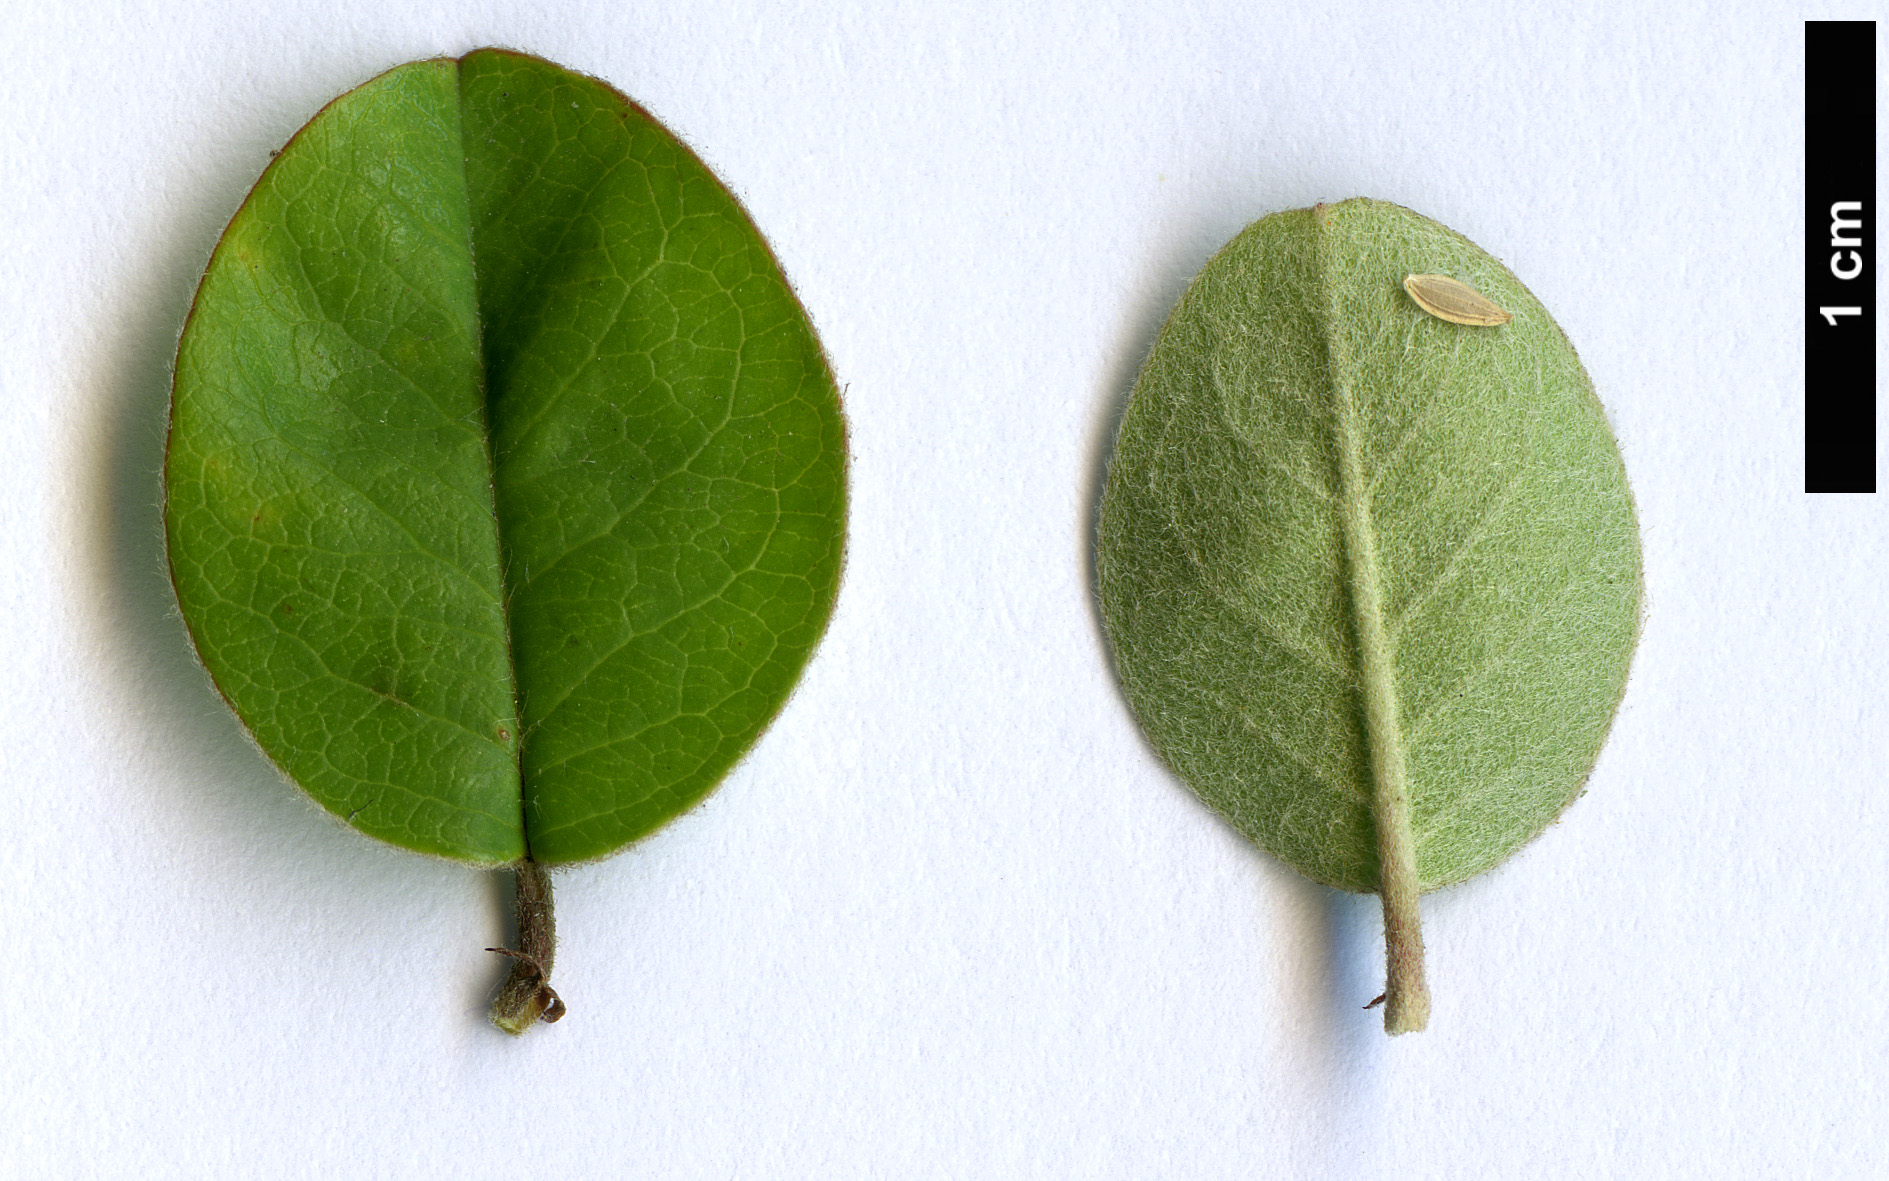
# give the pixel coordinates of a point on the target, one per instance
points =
(1506, 553)
(506, 478)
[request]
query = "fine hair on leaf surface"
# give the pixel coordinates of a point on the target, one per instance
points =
(506, 479)
(1371, 577)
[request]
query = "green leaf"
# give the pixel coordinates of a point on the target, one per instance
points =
(506, 478)
(1372, 577)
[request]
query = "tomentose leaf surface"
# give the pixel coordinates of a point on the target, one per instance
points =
(1372, 578)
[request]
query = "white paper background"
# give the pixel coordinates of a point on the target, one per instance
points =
(951, 918)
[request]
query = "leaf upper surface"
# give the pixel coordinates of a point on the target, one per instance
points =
(1505, 558)
(506, 484)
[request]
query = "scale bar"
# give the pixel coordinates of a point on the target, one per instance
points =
(1839, 256)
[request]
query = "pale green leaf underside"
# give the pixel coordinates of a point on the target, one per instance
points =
(1507, 555)
(506, 480)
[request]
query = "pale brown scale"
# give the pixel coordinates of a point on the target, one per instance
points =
(1455, 301)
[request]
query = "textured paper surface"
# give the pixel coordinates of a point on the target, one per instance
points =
(952, 918)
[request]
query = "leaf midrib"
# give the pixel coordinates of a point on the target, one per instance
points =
(517, 746)
(1376, 664)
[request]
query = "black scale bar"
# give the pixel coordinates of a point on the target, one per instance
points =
(1839, 256)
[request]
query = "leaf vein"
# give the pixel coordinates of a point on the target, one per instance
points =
(1470, 679)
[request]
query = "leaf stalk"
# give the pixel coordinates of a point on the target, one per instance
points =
(1407, 995)
(527, 996)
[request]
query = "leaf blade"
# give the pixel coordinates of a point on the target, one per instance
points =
(510, 193)
(304, 528)
(1298, 307)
